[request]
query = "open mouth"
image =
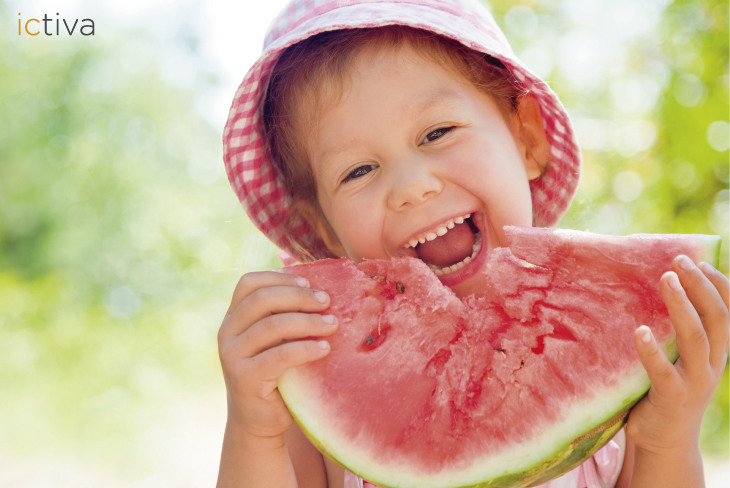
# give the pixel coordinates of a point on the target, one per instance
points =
(450, 246)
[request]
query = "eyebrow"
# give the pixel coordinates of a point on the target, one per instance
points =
(329, 157)
(435, 98)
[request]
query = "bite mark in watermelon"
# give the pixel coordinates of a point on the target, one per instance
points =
(512, 388)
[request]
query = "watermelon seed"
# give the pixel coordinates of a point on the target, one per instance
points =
(375, 338)
(378, 277)
(400, 287)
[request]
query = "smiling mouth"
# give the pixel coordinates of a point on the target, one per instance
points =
(448, 247)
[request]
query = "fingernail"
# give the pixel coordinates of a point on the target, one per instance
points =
(673, 282)
(644, 334)
(324, 345)
(329, 319)
(706, 267)
(301, 282)
(320, 296)
(684, 262)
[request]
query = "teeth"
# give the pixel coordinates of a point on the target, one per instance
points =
(456, 267)
(439, 231)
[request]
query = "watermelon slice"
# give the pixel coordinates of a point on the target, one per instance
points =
(423, 389)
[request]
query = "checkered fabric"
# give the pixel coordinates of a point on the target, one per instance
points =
(255, 179)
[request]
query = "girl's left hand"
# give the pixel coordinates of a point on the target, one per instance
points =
(667, 420)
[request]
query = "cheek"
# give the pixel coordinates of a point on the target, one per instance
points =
(503, 189)
(358, 227)
(496, 178)
(510, 205)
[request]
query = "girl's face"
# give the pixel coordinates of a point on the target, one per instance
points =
(413, 160)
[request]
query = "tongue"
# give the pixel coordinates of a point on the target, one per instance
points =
(448, 249)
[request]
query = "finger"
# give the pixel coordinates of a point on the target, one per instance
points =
(271, 300)
(260, 279)
(273, 362)
(718, 336)
(281, 327)
(709, 303)
(692, 341)
(663, 375)
(701, 291)
(719, 280)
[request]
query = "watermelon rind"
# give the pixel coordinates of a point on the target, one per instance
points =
(585, 427)
(711, 249)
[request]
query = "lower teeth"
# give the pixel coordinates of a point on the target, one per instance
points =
(456, 267)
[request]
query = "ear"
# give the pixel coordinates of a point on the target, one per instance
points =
(311, 213)
(531, 136)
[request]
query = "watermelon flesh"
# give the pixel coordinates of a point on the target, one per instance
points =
(511, 388)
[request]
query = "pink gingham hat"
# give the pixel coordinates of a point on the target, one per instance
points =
(254, 177)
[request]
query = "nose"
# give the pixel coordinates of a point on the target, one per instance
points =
(413, 185)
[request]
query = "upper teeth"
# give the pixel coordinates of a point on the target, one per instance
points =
(438, 231)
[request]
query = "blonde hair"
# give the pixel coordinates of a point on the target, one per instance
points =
(313, 73)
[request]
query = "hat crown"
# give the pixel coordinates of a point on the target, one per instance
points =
(298, 12)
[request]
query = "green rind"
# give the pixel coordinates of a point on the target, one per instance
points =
(571, 456)
(580, 449)
(710, 251)
(570, 447)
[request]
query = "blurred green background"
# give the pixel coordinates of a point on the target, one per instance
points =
(121, 242)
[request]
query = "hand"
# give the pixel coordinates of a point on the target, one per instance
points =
(264, 333)
(667, 420)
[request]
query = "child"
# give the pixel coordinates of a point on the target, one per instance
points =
(372, 129)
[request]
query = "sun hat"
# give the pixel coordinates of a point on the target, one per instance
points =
(256, 180)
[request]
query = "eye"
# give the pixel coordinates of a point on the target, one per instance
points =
(436, 134)
(358, 172)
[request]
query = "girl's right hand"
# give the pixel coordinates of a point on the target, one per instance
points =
(266, 330)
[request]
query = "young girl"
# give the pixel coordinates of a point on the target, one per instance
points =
(373, 129)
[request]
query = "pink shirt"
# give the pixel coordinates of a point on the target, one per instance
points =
(600, 471)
